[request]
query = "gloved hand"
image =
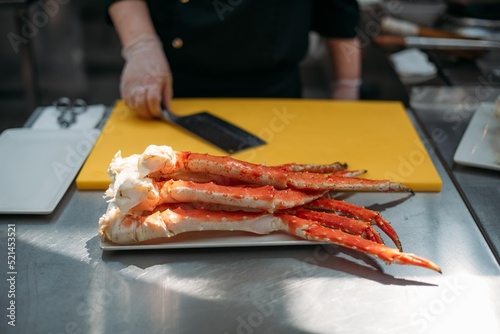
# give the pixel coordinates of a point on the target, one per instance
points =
(346, 90)
(146, 80)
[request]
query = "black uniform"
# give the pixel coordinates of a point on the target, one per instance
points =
(244, 48)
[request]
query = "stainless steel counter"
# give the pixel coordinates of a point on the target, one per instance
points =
(64, 283)
(445, 113)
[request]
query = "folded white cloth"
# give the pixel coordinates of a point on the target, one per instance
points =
(413, 62)
(86, 120)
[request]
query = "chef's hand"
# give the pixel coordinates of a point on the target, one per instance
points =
(345, 54)
(146, 80)
(346, 90)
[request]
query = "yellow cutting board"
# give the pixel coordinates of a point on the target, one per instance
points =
(372, 135)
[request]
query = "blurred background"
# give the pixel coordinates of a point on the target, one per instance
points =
(55, 48)
(73, 52)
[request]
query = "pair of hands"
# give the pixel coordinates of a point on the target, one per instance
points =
(146, 82)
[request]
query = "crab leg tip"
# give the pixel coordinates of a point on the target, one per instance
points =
(435, 267)
(415, 260)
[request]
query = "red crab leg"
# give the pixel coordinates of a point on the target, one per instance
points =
(146, 194)
(373, 217)
(132, 229)
(309, 181)
(127, 229)
(228, 181)
(342, 223)
(314, 231)
(265, 198)
(314, 168)
(163, 163)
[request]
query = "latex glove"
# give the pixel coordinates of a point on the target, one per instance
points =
(146, 80)
(346, 90)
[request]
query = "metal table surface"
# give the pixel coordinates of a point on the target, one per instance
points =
(64, 283)
(445, 120)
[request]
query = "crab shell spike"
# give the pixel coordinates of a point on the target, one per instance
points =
(314, 231)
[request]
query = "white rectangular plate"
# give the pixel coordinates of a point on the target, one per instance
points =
(38, 166)
(212, 239)
(480, 145)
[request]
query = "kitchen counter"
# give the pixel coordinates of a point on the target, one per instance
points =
(445, 123)
(64, 283)
(443, 106)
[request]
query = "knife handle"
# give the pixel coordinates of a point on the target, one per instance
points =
(389, 40)
(399, 27)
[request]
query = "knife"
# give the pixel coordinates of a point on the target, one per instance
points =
(214, 130)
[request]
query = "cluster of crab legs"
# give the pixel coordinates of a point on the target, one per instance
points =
(162, 193)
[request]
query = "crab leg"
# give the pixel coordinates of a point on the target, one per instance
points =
(337, 168)
(228, 181)
(310, 181)
(314, 231)
(265, 198)
(314, 168)
(163, 161)
(346, 224)
(127, 229)
(372, 217)
(331, 220)
(131, 229)
(147, 195)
